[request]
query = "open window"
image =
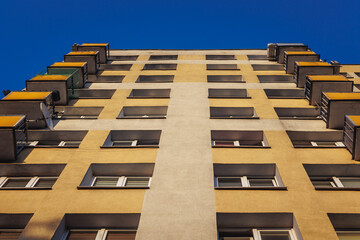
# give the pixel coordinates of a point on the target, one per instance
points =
(118, 176)
(146, 112)
(257, 226)
(225, 78)
(346, 225)
(150, 93)
(284, 93)
(298, 113)
(163, 57)
(228, 93)
(316, 139)
(275, 78)
(163, 66)
(220, 57)
(55, 139)
(233, 113)
(267, 67)
(132, 139)
(155, 79)
(98, 226)
(334, 176)
(29, 176)
(238, 139)
(247, 176)
(222, 67)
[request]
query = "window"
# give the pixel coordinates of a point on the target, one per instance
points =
(228, 93)
(77, 112)
(115, 67)
(346, 225)
(122, 181)
(143, 113)
(298, 113)
(48, 138)
(275, 78)
(245, 181)
(285, 93)
(257, 226)
(267, 67)
(230, 138)
(27, 182)
(10, 234)
(220, 57)
(160, 67)
(163, 57)
(97, 226)
(118, 175)
(257, 57)
(225, 78)
(233, 113)
(150, 93)
(247, 176)
(12, 225)
(336, 182)
(155, 79)
(123, 58)
(93, 93)
(106, 79)
(316, 139)
(101, 234)
(132, 138)
(222, 67)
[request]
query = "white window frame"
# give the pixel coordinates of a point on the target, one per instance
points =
(245, 181)
(31, 183)
(339, 183)
(121, 180)
(257, 233)
(100, 235)
(236, 143)
(353, 232)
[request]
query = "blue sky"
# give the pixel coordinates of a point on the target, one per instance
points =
(37, 33)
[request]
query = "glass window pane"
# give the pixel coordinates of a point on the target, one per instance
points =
(122, 143)
(229, 182)
(45, 182)
(275, 235)
(224, 143)
(261, 182)
(82, 235)
(137, 182)
(16, 182)
(322, 183)
(121, 235)
(106, 181)
(350, 182)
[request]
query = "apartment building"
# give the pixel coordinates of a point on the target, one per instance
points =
(244, 144)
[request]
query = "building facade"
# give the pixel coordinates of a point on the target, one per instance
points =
(181, 144)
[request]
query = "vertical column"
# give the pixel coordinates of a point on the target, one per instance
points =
(180, 203)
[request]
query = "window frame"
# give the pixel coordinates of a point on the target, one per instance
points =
(30, 185)
(337, 184)
(101, 234)
(121, 183)
(236, 143)
(246, 183)
(257, 233)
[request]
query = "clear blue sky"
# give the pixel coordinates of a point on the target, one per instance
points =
(39, 32)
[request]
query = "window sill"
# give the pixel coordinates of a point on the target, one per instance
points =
(226, 81)
(241, 147)
(287, 97)
(144, 146)
(33, 188)
(146, 97)
(141, 118)
(336, 189)
(234, 118)
(318, 147)
(50, 146)
(251, 188)
(300, 118)
(227, 97)
(89, 187)
(73, 118)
